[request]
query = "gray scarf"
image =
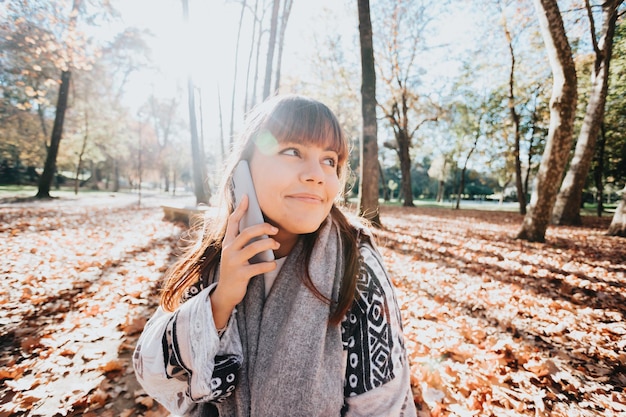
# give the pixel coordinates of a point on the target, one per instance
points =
(293, 362)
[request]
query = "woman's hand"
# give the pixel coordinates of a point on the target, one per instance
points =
(235, 270)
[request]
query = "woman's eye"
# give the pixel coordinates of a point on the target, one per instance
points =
(330, 161)
(291, 152)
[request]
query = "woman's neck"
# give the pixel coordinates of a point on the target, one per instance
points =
(287, 242)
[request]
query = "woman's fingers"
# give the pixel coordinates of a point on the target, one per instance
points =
(239, 248)
(232, 226)
(255, 246)
(233, 240)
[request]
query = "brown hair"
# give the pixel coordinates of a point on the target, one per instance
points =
(286, 118)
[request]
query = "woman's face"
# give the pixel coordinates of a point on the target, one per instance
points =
(296, 185)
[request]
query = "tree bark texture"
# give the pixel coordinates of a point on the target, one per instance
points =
(461, 189)
(519, 185)
(560, 133)
(618, 224)
(270, 50)
(250, 52)
(232, 97)
(521, 192)
(368, 185)
(49, 169)
(569, 199)
(404, 144)
(197, 155)
(257, 58)
(284, 18)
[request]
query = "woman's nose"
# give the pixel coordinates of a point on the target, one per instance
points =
(312, 171)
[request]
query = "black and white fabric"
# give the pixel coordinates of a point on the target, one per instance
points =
(367, 330)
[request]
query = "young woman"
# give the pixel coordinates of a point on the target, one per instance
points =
(317, 332)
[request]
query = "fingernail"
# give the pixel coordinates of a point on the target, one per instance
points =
(274, 229)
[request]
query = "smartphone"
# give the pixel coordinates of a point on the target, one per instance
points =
(242, 185)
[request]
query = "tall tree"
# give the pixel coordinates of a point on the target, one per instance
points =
(562, 112)
(284, 18)
(251, 99)
(201, 190)
(515, 118)
(368, 184)
(404, 108)
(569, 199)
(162, 113)
(49, 169)
(271, 46)
(253, 32)
(236, 67)
(467, 120)
(440, 170)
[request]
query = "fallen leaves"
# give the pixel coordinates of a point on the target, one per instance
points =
(494, 326)
(504, 327)
(79, 281)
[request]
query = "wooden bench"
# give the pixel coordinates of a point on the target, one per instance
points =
(183, 214)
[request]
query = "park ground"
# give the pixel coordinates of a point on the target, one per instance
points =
(494, 326)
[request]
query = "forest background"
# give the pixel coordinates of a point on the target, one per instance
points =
(454, 121)
(99, 95)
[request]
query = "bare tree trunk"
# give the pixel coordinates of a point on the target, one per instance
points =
(199, 171)
(405, 171)
(232, 98)
(197, 157)
(270, 50)
(521, 194)
(506, 184)
(248, 68)
(49, 169)
(457, 205)
(257, 59)
(569, 200)
(618, 224)
(463, 171)
(440, 191)
(562, 112)
(42, 120)
(281, 40)
(368, 184)
(529, 162)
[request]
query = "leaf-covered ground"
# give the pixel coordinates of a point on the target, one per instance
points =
(502, 327)
(494, 326)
